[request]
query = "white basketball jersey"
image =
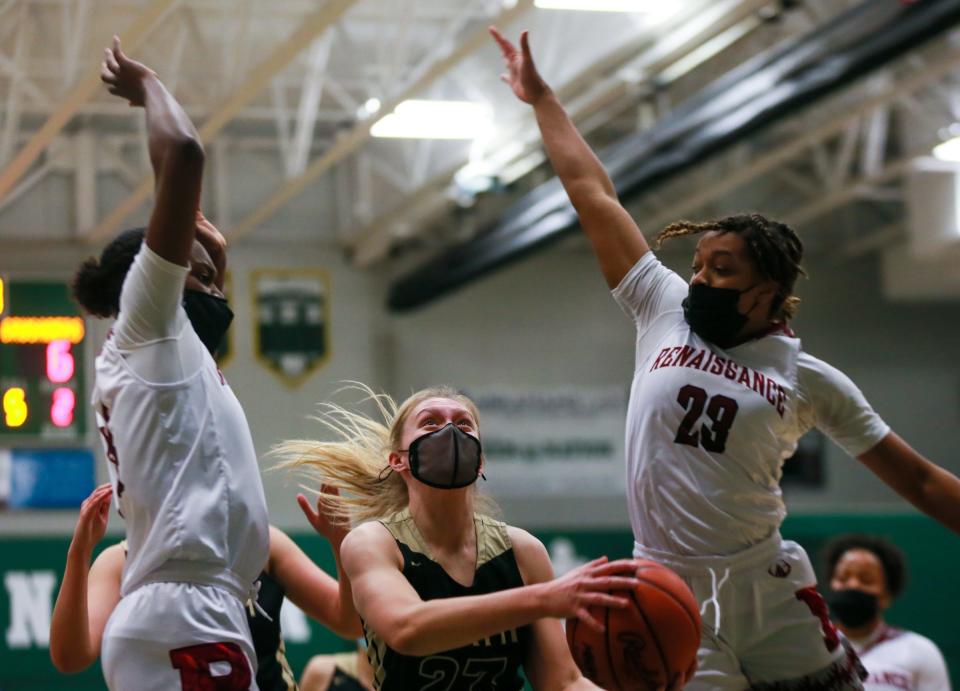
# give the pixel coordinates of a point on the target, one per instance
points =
(178, 446)
(898, 660)
(708, 429)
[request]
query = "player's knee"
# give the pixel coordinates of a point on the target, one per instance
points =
(318, 673)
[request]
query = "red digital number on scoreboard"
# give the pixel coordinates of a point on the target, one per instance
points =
(61, 410)
(60, 364)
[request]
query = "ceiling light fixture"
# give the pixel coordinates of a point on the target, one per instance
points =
(948, 150)
(645, 6)
(416, 119)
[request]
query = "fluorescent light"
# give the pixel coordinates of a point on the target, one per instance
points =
(948, 150)
(602, 5)
(372, 105)
(417, 119)
(708, 50)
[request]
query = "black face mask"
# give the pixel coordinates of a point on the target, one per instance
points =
(712, 313)
(209, 315)
(853, 608)
(446, 459)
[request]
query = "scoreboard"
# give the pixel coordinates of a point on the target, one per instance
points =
(41, 363)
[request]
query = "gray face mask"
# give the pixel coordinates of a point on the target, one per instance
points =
(446, 459)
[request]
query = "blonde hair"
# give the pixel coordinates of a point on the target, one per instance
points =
(356, 463)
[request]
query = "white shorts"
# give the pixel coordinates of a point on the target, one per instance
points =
(765, 626)
(168, 636)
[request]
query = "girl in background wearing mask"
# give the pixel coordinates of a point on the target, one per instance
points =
(721, 394)
(449, 597)
(866, 575)
(180, 456)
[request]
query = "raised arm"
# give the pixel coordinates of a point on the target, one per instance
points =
(616, 238)
(86, 600)
(328, 600)
(175, 153)
(930, 488)
(411, 626)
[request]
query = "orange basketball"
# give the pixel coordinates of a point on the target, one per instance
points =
(652, 644)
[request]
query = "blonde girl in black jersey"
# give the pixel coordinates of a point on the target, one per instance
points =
(450, 598)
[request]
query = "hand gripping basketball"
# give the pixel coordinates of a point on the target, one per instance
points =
(590, 586)
(649, 645)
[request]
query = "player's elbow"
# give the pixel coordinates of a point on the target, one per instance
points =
(348, 627)
(69, 662)
(353, 629)
(185, 152)
(587, 193)
(408, 637)
(402, 638)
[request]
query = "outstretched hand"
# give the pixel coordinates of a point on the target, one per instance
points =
(322, 519)
(521, 74)
(577, 591)
(124, 76)
(94, 515)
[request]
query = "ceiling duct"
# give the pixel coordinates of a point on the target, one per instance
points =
(927, 266)
(756, 93)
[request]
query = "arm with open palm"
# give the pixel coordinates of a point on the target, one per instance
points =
(616, 239)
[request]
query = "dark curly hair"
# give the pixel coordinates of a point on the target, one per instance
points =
(97, 282)
(774, 247)
(891, 558)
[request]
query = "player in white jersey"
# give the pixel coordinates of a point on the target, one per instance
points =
(866, 575)
(178, 446)
(721, 393)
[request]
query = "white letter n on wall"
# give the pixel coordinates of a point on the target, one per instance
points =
(30, 594)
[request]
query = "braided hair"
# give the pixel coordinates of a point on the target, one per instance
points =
(774, 247)
(97, 282)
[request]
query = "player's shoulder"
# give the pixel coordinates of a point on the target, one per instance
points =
(532, 557)
(523, 540)
(919, 643)
(111, 560)
(369, 544)
(367, 533)
(816, 374)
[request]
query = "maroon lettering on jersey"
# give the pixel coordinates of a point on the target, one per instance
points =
(697, 360)
(672, 358)
(660, 358)
(707, 361)
(818, 607)
(771, 392)
(730, 371)
(685, 354)
(717, 366)
(759, 383)
(194, 662)
(111, 450)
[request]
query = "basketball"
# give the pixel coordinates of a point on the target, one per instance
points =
(651, 644)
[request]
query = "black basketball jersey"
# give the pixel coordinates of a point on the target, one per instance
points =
(273, 670)
(490, 663)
